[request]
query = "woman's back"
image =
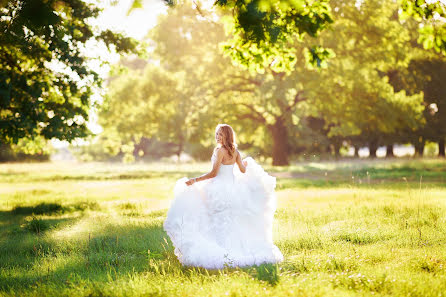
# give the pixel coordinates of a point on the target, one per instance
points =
(227, 159)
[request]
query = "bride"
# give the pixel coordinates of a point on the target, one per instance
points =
(224, 218)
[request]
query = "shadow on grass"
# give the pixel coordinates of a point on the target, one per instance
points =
(109, 253)
(266, 272)
(27, 259)
(27, 218)
(42, 208)
(100, 176)
(53, 208)
(376, 184)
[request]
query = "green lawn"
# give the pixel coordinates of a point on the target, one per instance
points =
(358, 228)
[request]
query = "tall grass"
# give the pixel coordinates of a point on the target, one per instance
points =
(97, 231)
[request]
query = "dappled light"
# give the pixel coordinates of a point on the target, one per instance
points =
(222, 148)
(348, 236)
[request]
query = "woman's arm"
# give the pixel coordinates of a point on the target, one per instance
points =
(241, 164)
(214, 171)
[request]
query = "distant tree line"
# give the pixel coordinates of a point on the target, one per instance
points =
(292, 77)
(379, 88)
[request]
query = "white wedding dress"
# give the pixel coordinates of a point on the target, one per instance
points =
(225, 221)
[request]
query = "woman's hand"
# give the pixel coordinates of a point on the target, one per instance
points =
(190, 182)
(245, 163)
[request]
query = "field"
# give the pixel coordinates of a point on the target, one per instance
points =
(358, 228)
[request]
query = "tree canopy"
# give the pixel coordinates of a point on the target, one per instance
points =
(45, 81)
(194, 85)
(431, 15)
(263, 32)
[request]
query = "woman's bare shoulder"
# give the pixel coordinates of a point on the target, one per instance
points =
(222, 149)
(219, 150)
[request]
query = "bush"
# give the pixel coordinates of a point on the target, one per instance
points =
(36, 225)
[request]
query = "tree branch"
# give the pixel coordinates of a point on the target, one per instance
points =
(201, 13)
(251, 117)
(297, 99)
(237, 87)
(276, 74)
(248, 79)
(257, 116)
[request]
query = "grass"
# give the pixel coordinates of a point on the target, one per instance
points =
(96, 230)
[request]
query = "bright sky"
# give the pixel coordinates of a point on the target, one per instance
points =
(137, 23)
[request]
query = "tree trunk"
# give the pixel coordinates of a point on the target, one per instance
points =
(419, 147)
(337, 149)
(280, 143)
(389, 151)
(180, 147)
(373, 147)
(356, 151)
(179, 151)
(441, 150)
(4, 149)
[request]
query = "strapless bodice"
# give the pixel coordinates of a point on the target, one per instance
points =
(226, 171)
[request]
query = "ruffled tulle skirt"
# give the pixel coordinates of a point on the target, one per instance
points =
(225, 221)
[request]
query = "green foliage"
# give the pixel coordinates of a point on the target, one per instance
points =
(428, 74)
(27, 149)
(45, 82)
(262, 32)
(431, 16)
(357, 100)
(36, 225)
(195, 86)
(424, 73)
(169, 102)
(103, 147)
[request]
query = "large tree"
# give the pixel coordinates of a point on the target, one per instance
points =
(369, 41)
(426, 73)
(265, 101)
(45, 81)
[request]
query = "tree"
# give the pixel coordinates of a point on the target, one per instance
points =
(152, 104)
(427, 74)
(264, 100)
(169, 101)
(424, 73)
(37, 149)
(45, 81)
(369, 41)
(195, 87)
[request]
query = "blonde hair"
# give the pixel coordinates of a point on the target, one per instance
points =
(229, 138)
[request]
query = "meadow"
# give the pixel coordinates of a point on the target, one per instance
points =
(347, 228)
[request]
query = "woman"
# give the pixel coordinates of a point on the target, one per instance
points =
(224, 218)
